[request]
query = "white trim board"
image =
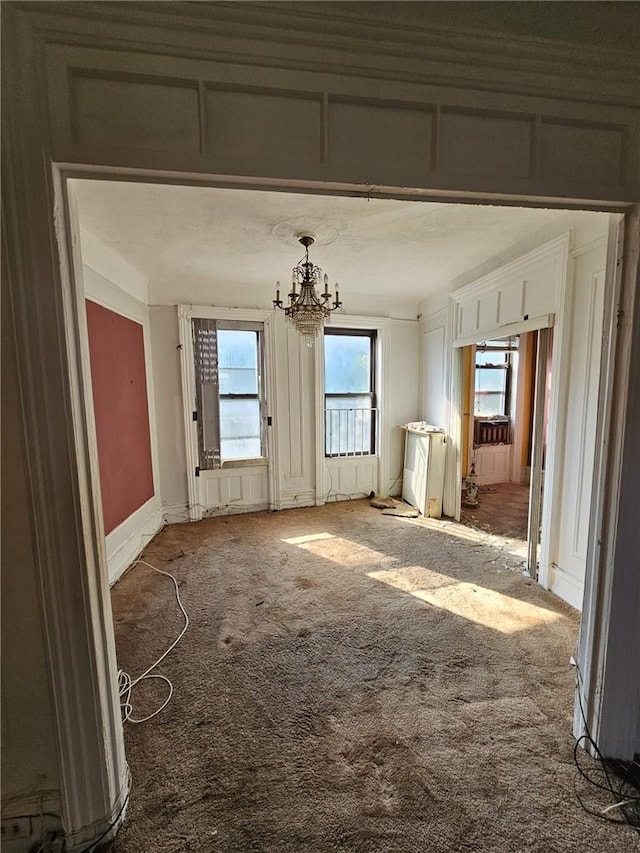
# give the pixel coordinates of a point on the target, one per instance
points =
(566, 586)
(129, 539)
(544, 321)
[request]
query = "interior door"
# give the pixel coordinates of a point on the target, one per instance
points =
(572, 527)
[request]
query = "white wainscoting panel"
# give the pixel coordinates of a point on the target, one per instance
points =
(227, 110)
(128, 539)
(136, 113)
(351, 477)
(525, 291)
(433, 389)
(282, 125)
(370, 131)
(228, 490)
(475, 143)
(493, 464)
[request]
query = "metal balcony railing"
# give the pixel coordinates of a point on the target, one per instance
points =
(350, 432)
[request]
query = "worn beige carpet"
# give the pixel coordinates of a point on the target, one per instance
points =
(350, 682)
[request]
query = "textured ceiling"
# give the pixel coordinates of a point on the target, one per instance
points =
(246, 238)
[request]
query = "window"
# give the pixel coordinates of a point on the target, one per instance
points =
(492, 379)
(349, 392)
(229, 391)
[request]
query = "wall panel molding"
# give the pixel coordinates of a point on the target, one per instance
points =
(169, 110)
(405, 50)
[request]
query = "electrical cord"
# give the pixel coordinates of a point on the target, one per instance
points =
(126, 684)
(355, 495)
(396, 480)
(625, 794)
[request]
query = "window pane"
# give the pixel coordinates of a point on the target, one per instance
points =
(491, 379)
(238, 361)
(490, 404)
(347, 425)
(491, 357)
(240, 429)
(347, 363)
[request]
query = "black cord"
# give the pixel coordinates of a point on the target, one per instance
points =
(34, 816)
(93, 844)
(621, 795)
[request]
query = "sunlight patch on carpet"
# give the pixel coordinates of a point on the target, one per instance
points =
(310, 537)
(338, 550)
(485, 607)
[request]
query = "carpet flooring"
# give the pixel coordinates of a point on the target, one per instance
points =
(350, 682)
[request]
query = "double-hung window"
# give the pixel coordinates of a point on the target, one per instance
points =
(492, 379)
(228, 360)
(349, 392)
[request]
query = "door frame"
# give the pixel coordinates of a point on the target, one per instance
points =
(89, 729)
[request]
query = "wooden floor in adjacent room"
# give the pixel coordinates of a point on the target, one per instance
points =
(503, 510)
(350, 682)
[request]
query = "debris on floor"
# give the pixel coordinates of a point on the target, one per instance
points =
(382, 502)
(402, 510)
(390, 506)
(383, 698)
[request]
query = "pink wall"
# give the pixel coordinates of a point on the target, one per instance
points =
(118, 375)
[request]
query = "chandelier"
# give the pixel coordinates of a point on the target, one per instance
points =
(307, 310)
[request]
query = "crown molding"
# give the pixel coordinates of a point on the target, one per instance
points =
(341, 43)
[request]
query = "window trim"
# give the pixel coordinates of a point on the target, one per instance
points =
(505, 366)
(384, 477)
(248, 326)
(371, 334)
(185, 314)
(215, 451)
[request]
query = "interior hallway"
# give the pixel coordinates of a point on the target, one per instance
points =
(350, 682)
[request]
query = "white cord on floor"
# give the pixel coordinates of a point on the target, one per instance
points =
(126, 683)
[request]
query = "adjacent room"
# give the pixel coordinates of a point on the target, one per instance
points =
(361, 655)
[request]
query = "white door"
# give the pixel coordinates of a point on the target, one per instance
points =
(416, 469)
(581, 389)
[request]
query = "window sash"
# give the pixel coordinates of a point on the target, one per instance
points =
(208, 396)
(350, 430)
(503, 394)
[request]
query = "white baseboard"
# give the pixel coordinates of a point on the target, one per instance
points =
(41, 808)
(234, 509)
(37, 815)
(175, 513)
(293, 500)
(129, 538)
(566, 586)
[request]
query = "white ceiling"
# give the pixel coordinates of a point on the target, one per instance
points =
(246, 238)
